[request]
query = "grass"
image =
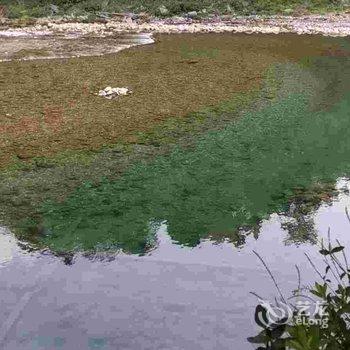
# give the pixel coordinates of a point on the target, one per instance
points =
(30, 8)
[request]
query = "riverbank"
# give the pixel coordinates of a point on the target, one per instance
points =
(332, 24)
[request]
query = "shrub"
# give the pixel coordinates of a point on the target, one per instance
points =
(38, 8)
(329, 327)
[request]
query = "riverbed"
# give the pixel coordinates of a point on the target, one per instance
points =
(134, 220)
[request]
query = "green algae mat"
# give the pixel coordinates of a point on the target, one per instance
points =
(222, 131)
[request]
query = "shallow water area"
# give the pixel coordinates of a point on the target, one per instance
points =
(27, 45)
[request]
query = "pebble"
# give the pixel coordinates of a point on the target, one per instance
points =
(330, 25)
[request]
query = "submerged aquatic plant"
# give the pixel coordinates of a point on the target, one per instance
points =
(254, 164)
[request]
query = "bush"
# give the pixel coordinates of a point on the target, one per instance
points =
(38, 8)
(329, 327)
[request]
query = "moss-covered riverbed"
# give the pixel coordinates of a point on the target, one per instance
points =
(49, 106)
(229, 127)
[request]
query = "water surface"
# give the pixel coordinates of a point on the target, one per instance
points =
(174, 297)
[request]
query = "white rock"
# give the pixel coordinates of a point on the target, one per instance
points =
(110, 92)
(192, 14)
(163, 10)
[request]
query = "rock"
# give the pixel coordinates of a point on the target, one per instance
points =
(104, 15)
(192, 14)
(54, 9)
(226, 17)
(118, 16)
(288, 11)
(163, 10)
(177, 20)
(142, 17)
(110, 92)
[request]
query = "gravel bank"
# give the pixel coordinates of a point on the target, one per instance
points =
(329, 25)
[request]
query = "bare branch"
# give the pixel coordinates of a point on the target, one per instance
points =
(272, 276)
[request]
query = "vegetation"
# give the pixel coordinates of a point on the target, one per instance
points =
(256, 162)
(324, 328)
(62, 135)
(39, 8)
